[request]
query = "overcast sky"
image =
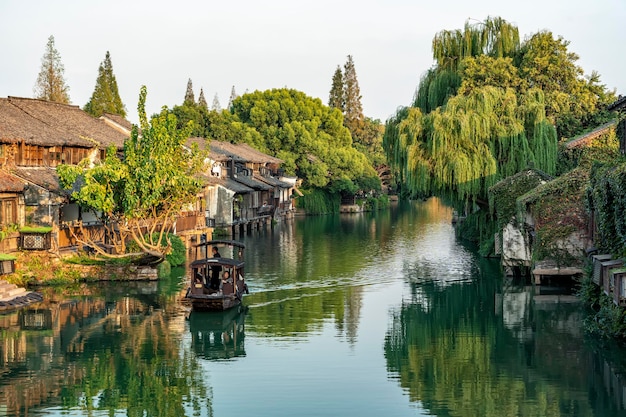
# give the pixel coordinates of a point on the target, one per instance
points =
(259, 45)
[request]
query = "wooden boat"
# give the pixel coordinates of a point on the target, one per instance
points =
(216, 283)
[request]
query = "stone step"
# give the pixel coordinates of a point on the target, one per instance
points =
(13, 293)
(5, 285)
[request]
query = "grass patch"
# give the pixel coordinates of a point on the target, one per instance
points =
(35, 229)
(7, 257)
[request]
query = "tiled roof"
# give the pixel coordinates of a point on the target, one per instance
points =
(41, 122)
(44, 177)
(118, 122)
(252, 183)
(242, 152)
(272, 181)
(584, 139)
(10, 183)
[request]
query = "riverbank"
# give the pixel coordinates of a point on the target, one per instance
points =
(34, 269)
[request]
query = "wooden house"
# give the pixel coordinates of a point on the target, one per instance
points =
(242, 186)
(35, 137)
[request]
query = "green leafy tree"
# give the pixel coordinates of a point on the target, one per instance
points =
(50, 83)
(547, 64)
(139, 197)
(189, 96)
(335, 99)
(106, 97)
(307, 135)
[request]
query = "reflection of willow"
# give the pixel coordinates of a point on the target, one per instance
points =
(447, 356)
(132, 361)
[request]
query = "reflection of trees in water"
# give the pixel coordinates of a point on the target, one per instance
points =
(454, 355)
(310, 269)
(96, 355)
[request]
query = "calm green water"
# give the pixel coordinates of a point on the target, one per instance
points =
(359, 315)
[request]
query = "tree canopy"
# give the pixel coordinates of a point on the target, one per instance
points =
(307, 135)
(140, 196)
(50, 83)
(487, 109)
(106, 96)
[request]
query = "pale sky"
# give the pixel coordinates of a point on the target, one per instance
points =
(260, 45)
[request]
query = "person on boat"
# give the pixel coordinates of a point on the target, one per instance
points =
(215, 271)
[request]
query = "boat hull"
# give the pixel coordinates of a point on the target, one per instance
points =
(210, 302)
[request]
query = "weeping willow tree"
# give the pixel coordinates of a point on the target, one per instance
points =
(473, 122)
(494, 37)
(463, 148)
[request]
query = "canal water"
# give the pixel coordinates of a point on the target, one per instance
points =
(384, 314)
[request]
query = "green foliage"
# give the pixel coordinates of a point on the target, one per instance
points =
(148, 188)
(189, 96)
(318, 201)
(545, 63)
(175, 255)
(7, 257)
(606, 197)
(494, 37)
(164, 269)
(435, 88)
(335, 99)
(105, 97)
(50, 83)
(309, 136)
(36, 229)
(474, 141)
(503, 196)
(604, 148)
(558, 208)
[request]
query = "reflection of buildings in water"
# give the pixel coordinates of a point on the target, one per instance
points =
(515, 310)
(37, 345)
(218, 335)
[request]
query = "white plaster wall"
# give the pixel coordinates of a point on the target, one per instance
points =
(515, 251)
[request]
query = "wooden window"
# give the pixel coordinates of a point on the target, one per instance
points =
(8, 211)
(32, 156)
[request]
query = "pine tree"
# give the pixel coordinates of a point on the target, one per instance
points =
(189, 97)
(50, 83)
(216, 104)
(202, 101)
(352, 108)
(105, 97)
(335, 99)
(233, 96)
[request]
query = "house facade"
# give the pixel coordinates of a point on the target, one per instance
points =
(35, 137)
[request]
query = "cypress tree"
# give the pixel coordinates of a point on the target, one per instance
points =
(233, 96)
(189, 97)
(50, 83)
(216, 103)
(335, 100)
(201, 100)
(105, 97)
(353, 110)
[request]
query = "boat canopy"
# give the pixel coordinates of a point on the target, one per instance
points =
(221, 242)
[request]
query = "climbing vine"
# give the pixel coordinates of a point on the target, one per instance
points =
(558, 210)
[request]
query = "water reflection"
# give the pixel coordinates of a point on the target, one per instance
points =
(514, 353)
(105, 352)
(218, 335)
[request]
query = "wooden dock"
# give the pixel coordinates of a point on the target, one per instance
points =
(550, 269)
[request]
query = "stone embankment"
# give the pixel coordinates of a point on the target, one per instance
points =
(13, 297)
